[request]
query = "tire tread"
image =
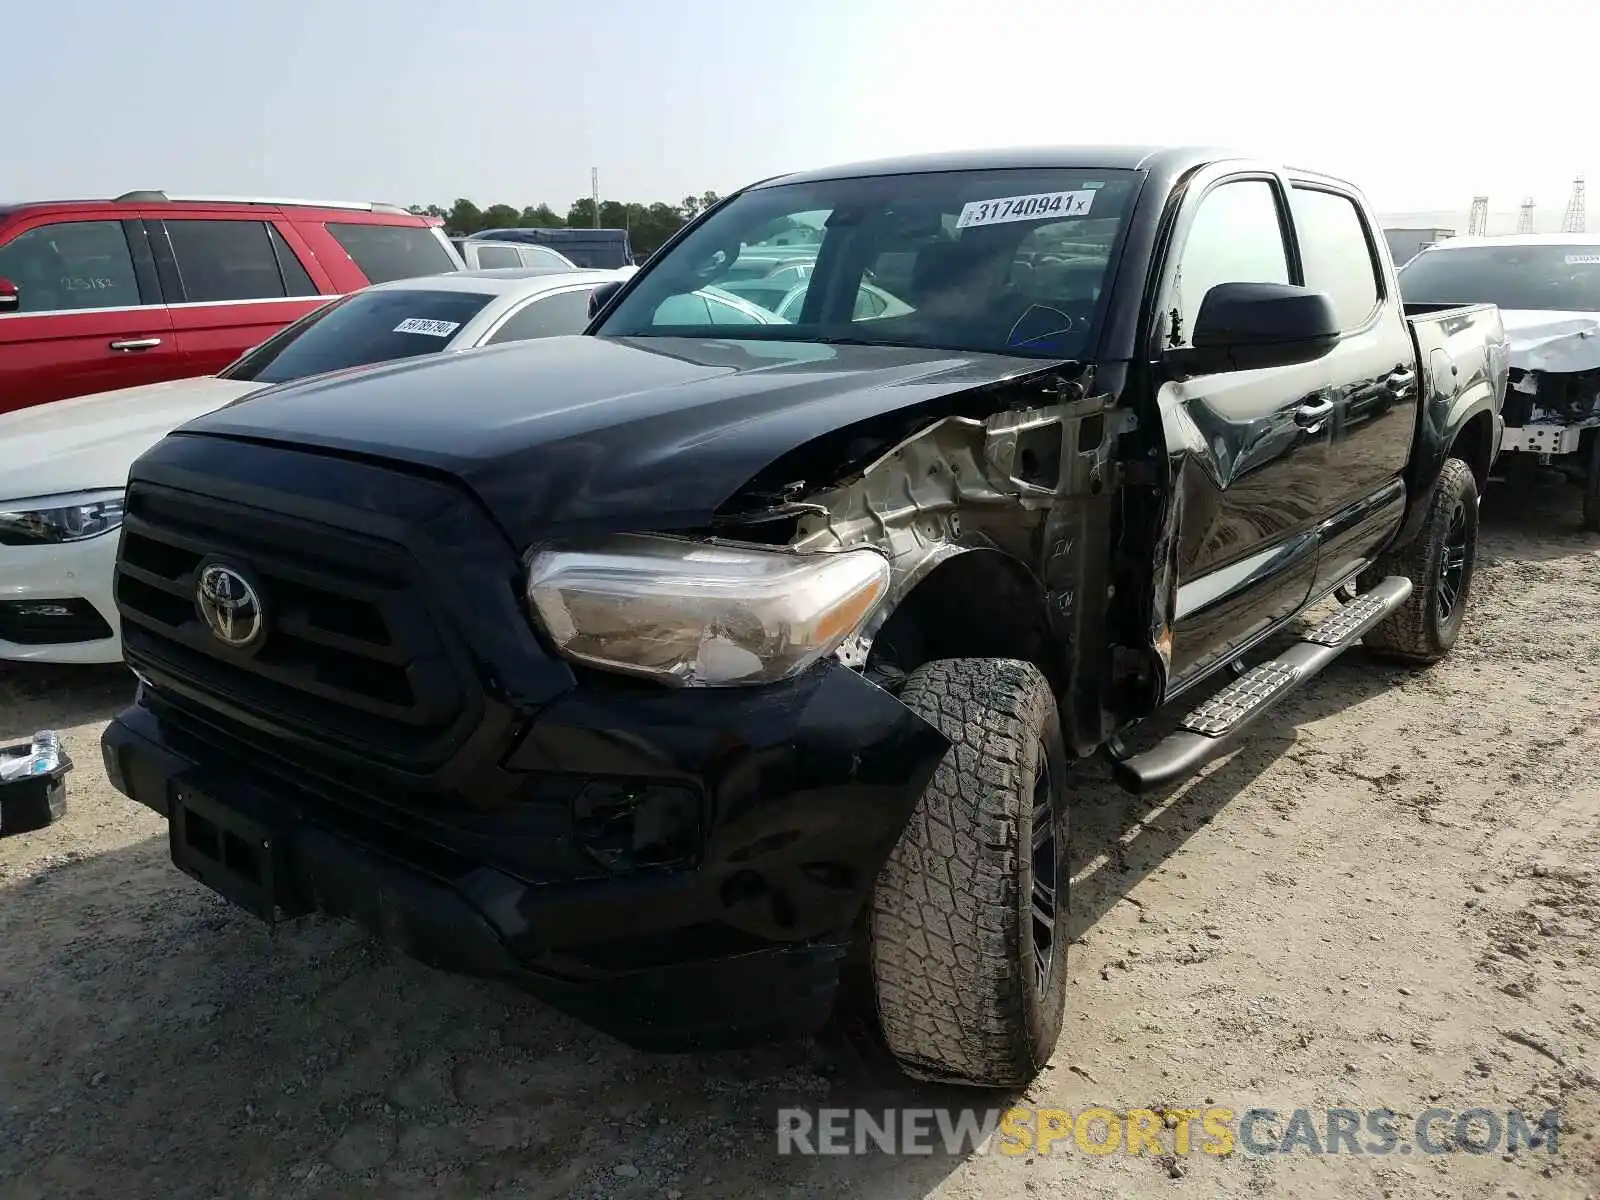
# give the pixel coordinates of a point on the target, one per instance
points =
(945, 947)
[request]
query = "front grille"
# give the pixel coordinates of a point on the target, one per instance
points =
(349, 654)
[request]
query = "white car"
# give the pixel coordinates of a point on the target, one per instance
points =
(486, 255)
(63, 465)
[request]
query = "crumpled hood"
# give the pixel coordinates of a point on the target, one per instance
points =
(89, 442)
(1553, 341)
(568, 434)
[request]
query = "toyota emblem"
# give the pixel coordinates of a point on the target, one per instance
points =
(229, 606)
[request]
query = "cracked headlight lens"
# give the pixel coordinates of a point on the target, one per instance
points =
(696, 613)
(50, 520)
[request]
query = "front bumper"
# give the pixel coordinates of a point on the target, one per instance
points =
(682, 869)
(56, 603)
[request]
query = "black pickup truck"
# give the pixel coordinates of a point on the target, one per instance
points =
(670, 669)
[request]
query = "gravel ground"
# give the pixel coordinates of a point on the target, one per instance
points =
(1389, 898)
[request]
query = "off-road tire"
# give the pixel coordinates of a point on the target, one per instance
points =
(1591, 486)
(951, 941)
(1419, 631)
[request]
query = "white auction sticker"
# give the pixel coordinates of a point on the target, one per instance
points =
(1582, 260)
(431, 328)
(1025, 208)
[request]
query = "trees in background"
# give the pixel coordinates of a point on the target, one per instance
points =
(648, 225)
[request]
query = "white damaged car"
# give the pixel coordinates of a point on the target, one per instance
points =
(63, 465)
(1548, 289)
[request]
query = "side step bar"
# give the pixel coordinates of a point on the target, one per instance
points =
(1212, 728)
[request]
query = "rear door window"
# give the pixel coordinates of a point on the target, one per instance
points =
(71, 265)
(226, 260)
(1336, 252)
(499, 256)
(296, 282)
(541, 256)
(386, 252)
(548, 316)
(367, 327)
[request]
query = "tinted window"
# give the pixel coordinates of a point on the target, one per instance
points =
(295, 280)
(1335, 253)
(75, 264)
(941, 244)
(548, 316)
(1236, 238)
(385, 252)
(225, 260)
(499, 256)
(368, 327)
(1561, 278)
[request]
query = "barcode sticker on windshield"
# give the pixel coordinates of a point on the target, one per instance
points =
(1025, 208)
(1582, 260)
(431, 328)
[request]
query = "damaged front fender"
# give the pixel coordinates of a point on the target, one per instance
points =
(1006, 483)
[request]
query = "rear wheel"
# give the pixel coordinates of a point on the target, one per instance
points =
(1439, 562)
(968, 940)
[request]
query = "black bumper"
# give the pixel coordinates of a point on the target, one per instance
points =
(679, 868)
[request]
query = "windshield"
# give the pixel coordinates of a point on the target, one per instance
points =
(1546, 278)
(1009, 261)
(367, 327)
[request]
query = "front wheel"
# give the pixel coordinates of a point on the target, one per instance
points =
(1439, 562)
(968, 938)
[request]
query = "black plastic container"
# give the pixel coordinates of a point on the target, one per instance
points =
(33, 801)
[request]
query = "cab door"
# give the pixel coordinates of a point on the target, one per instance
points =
(1248, 448)
(237, 282)
(1372, 375)
(90, 314)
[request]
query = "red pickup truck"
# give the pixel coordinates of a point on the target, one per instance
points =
(103, 294)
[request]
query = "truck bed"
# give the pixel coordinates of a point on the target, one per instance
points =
(1463, 357)
(1457, 344)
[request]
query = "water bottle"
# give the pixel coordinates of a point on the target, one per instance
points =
(46, 747)
(43, 757)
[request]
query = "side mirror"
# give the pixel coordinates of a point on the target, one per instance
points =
(602, 294)
(1248, 326)
(10, 297)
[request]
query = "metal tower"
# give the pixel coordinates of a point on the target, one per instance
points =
(1525, 217)
(1478, 219)
(1574, 220)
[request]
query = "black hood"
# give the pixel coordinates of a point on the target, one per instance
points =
(569, 434)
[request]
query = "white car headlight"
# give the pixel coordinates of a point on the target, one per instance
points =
(50, 520)
(694, 613)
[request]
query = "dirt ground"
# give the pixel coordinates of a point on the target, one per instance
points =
(1390, 898)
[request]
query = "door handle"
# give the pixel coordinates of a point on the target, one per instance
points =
(1309, 416)
(137, 344)
(1400, 381)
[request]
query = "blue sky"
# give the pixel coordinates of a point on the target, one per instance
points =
(1422, 102)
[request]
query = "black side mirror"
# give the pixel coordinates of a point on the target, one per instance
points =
(1248, 326)
(602, 294)
(10, 297)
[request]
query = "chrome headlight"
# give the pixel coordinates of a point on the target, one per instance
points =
(694, 613)
(50, 520)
